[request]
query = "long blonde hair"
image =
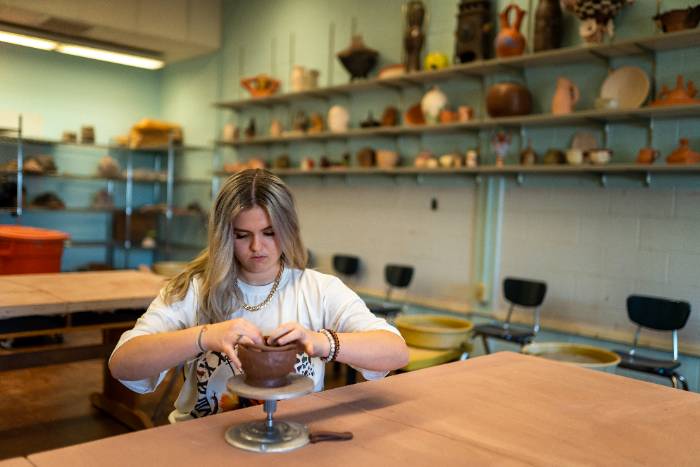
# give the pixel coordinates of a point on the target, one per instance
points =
(216, 265)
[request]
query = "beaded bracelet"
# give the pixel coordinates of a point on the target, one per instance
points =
(331, 345)
(336, 346)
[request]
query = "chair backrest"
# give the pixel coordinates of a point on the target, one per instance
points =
(658, 313)
(524, 292)
(397, 275)
(346, 264)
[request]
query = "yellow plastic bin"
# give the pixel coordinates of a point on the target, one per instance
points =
(583, 355)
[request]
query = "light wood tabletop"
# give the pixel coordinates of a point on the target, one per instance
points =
(67, 292)
(16, 462)
(500, 409)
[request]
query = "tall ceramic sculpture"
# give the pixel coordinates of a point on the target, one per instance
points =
(414, 36)
(549, 27)
(473, 28)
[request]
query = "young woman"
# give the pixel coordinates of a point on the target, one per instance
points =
(251, 282)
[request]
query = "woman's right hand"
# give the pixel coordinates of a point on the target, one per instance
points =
(223, 337)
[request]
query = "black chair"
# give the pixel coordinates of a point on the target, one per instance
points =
(660, 314)
(398, 276)
(347, 265)
(521, 292)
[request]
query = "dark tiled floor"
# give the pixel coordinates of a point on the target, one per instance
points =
(48, 407)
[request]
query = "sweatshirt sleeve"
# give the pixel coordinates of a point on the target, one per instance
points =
(160, 317)
(347, 312)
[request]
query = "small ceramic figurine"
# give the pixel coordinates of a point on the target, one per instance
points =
(596, 17)
(316, 123)
(249, 131)
(681, 94)
(472, 158)
(510, 41)
(338, 118)
(390, 117)
(301, 122)
(528, 156)
(500, 143)
(275, 128)
(432, 103)
(565, 97)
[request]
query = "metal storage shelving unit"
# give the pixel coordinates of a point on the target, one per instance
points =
(14, 136)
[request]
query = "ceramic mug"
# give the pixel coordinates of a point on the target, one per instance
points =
(647, 156)
(465, 113)
(574, 156)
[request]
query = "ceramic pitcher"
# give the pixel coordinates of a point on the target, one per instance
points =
(510, 41)
(565, 96)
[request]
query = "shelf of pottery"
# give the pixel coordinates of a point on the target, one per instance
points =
(116, 197)
(502, 110)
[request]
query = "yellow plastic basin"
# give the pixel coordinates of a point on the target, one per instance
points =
(434, 331)
(577, 354)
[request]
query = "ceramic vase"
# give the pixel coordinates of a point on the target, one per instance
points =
(432, 103)
(510, 41)
(338, 118)
(548, 25)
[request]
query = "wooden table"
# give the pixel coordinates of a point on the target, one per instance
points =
(68, 292)
(500, 409)
(65, 293)
(16, 462)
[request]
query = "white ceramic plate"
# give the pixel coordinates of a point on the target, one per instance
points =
(629, 85)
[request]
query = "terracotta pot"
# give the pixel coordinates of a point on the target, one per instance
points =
(267, 366)
(507, 99)
(510, 41)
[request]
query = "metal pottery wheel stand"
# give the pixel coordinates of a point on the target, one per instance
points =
(270, 435)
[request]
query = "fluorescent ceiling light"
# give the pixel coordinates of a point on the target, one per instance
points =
(71, 47)
(27, 41)
(109, 56)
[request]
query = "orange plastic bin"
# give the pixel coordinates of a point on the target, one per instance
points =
(25, 250)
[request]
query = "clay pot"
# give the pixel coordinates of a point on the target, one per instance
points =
(338, 118)
(390, 117)
(678, 20)
(510, 41)
(548, 25)
(508, 99)
(387, 159)
(414, 115)
(358, 59)
(683, 154)
(366, 157)
(267, 366)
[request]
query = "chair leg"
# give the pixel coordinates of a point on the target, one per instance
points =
(677, 377)
(484, 339)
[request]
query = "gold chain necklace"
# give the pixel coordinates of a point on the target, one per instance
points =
(269, 296)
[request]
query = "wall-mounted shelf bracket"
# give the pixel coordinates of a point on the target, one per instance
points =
(520, 179)
(647, 179)
(603, 180)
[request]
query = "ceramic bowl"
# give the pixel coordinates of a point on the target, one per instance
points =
(629, 85)
(576, 354)
(599, 156)
(267, 366)
(169, 268)
(434, 331)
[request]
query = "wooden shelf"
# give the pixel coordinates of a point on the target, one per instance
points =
(4, 139)
(581, 117)
(567, 55)
(491, 170)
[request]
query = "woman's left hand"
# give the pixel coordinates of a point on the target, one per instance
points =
(315, 344)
